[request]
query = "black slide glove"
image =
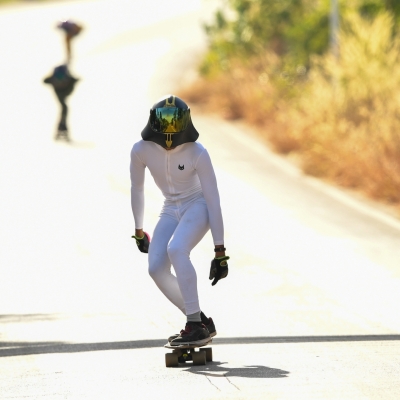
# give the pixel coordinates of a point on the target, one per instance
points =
(143, 243)
(219, 269)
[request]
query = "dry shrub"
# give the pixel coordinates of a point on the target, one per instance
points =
(342, 120)
(245, 87)
(249, 91)
(350, 115)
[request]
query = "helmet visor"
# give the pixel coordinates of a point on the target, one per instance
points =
(169, 119)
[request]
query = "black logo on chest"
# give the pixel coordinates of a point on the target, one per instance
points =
(181, 167)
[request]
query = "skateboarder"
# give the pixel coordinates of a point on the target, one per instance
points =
(71, 30)
(182, 169)
(63, 84)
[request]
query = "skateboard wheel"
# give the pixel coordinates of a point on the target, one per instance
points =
(199, 358)
(208, 351)
(171, 360)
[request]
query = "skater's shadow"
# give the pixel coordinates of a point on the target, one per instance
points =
(217, 370)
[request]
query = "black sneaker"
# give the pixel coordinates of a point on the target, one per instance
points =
(171, 338)
(194, 333)
(62, 135)
(210, 327)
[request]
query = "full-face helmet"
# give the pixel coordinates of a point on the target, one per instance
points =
(69, 27)
(170, 124)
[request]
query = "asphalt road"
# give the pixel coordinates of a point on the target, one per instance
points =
(310, 307)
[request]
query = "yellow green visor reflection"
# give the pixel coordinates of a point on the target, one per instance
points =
(169, 119)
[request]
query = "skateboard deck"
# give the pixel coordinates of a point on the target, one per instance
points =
(186, 352)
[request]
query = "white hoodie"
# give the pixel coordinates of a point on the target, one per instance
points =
(182, 174)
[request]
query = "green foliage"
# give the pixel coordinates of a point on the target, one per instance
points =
(371, 8)
(293, 29)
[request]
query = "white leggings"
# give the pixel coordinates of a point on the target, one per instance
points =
(177, 232)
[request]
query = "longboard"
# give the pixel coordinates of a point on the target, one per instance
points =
(186, 352)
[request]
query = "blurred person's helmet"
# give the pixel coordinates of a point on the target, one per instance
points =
(170, 124)
(70, 27)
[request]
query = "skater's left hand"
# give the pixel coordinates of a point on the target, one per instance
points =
(219, 269)
(142, 242)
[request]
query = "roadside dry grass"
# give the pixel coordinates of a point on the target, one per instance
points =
(3, 2)
(341, 120)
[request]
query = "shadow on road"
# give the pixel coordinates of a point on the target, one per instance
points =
(217, 370)
(306, 339)
(11, 349)
(24, 318)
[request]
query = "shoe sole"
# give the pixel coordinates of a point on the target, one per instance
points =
(197, 343)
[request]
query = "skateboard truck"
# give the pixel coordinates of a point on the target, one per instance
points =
(182, 354)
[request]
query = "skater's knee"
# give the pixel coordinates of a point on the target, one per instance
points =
(154, 272)
(176, 251)
(157, 269)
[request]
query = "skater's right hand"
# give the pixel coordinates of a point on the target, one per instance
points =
(142, 241)
(219, 269)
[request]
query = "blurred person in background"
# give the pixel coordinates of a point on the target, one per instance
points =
(63, 84)
(182, 169)
(71, 30)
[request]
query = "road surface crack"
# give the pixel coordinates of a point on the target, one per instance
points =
(209, 380)
(231, 383)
